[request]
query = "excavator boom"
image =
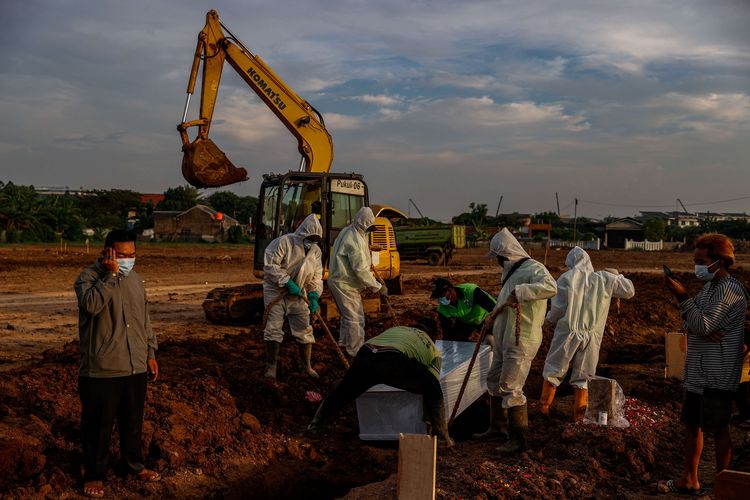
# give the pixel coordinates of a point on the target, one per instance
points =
(204, 164)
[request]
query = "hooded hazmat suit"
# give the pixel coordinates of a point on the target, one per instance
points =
(533, 285)
(285, 258)
(349, 274)
(580, 311)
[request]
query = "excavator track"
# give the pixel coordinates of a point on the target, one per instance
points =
(238, 305)
(243, 305)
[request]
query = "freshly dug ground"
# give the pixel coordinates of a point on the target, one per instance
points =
(215, 427)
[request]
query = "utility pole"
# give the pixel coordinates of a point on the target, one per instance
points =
(497, 212)
(575, 223)
(557, 199)
(683, 206)
(415, 206)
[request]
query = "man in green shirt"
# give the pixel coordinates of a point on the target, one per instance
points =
(403, 357)
(461, 308)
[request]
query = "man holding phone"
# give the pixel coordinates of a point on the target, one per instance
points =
(118, 348)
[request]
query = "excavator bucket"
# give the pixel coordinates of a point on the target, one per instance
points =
(205, 165)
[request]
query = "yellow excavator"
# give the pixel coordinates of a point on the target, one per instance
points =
(285, 199)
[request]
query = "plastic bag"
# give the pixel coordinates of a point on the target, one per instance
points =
(606, 405)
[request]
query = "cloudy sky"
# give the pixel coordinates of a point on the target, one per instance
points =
(625, 104)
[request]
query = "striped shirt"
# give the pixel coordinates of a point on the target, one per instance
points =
(719, 306)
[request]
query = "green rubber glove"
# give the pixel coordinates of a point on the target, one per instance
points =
(293, 288)
(312, 298)
(313, 305)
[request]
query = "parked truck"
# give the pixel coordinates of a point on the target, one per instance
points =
(434, 242)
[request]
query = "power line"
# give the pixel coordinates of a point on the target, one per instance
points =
(718, 202)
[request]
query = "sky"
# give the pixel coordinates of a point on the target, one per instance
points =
(626, 105)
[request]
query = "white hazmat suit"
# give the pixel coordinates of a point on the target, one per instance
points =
(580, 312)
(349, 274)
(533, 285)
(286, 258)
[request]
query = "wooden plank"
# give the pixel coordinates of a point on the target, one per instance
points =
(602, 397)
(731, 485)
(675, 345)
(416, 467)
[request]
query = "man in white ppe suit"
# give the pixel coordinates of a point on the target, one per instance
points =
(292, 269)
(349, 274)
(528, 283)
(580, 311)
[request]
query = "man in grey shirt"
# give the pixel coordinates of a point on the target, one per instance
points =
(117, 347)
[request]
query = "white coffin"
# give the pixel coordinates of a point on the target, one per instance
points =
(384, 411)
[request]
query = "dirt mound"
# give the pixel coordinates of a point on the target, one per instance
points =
(215, 426)
(210, 408)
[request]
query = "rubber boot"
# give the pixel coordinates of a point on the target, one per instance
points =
(548, 394)
(518, 425)
(305, 353)
(272, 357)
(580, 403)
(498, 422)
(440, 426)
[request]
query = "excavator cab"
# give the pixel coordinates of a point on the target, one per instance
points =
(285, 200)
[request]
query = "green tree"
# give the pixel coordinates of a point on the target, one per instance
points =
(19, 206)
(655, 229)
(241, 208)
(104, 210)
(179, 198)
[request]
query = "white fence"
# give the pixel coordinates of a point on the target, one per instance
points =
(586, 245)
(649, 246)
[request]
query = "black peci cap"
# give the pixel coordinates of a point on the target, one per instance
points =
(428, 325)
(439, 287)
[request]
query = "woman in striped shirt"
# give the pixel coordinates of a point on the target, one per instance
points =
(715, 323)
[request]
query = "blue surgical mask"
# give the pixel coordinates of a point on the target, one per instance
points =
(126, 265)
(702, 272)
(444, 301)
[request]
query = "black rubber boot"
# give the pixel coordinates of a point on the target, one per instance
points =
(498, 429)
(518, 425)
(305, 355)
(272, 357)
(440, 426)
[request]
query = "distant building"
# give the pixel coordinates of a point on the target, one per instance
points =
(200, 223)
(684, 219)
(628, 228)
(61, 190)
(154, 198)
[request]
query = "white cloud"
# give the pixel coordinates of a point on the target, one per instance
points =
(338, 122)
(317, 84)
(246, 119)
(380, 99)
(733, 107)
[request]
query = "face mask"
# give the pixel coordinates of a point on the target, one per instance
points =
(444, 301)
(125, 265)
(307, 244)
(702, 272)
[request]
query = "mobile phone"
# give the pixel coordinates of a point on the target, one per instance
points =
(667, 271)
